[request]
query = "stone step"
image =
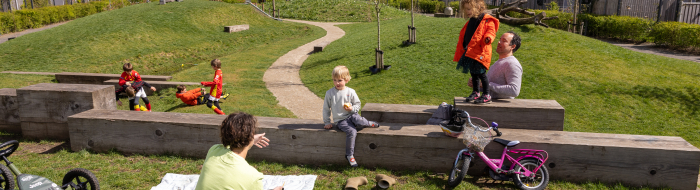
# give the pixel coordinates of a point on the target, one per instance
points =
(573, 156)
(99, 78)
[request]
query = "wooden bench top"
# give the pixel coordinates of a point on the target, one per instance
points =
(512, 103)
(99, 78)
(8, 92)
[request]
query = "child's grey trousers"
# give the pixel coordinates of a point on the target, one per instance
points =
(348, 125)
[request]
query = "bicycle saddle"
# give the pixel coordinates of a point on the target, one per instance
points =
(506, 142)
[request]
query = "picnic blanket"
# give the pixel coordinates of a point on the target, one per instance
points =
(173, 181)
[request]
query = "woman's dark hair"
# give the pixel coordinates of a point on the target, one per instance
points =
(515, 41)
(238, 130)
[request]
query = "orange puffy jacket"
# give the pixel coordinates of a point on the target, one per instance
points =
(190, 97)
(477, 49)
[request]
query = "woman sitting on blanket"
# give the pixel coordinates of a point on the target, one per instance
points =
(225, 166)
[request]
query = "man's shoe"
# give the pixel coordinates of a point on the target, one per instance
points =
(352, 161)
(373, 124)
(472, 96)
(483, 99)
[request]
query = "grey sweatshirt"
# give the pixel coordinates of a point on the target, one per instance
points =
(333, 104)
(505, 77)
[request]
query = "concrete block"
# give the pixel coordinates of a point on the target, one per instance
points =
(398, 113)
(98, 78)
(320, 46)
(518, 113)
(9, 111)
(158, 84)
(630, 159)
(44, 108)
(236, 28)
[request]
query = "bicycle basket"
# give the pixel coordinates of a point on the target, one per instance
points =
(476, 140)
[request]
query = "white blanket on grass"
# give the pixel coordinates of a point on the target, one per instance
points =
(189, 182)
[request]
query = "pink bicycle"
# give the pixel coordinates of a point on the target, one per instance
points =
(527, 171)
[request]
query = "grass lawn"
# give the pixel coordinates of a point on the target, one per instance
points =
(604, 88)
(333, 10)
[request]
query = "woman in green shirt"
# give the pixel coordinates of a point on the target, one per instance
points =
(225, 166)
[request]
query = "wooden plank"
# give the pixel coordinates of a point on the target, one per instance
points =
(9, 111)
(574, 156)
(320, 46)
(398, 113)
(518, 113)
(98, 78)
(48, 105)
(236, 28)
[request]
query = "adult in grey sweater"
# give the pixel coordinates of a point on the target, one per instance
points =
(505, 75)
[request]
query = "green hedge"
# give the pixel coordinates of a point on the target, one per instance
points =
(676, 34)
(35, 18)
(681, 35)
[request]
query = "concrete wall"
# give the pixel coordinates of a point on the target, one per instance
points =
(9, 111)
(44, 108)
(99, 78)
(574, 156)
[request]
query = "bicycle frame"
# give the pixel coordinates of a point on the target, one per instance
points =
(497, 164)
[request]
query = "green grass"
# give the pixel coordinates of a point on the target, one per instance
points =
(178, 39)
(334, 10)
(116, 171)
(21, 80)
(604, 88)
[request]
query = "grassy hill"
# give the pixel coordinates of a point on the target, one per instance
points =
(333, 10)
(176, 39)
(604, 88)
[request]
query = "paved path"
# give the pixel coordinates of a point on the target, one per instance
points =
(282, 78)
(3, 38)
(652, 49)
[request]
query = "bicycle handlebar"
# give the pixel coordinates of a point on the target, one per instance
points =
(493, 126)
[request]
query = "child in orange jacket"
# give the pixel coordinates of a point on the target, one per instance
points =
(474, 46)
(192, 97)
(216, 85)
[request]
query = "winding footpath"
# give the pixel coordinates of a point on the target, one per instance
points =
(282, 78)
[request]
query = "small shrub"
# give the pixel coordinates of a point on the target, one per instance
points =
(33, 18)
(619, 27)
(553, 6)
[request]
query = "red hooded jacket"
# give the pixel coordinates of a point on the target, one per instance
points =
(132, 76)
(477, 49)
(216, 84)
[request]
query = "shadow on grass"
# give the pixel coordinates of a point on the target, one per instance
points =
(181, 105)
(686, 97)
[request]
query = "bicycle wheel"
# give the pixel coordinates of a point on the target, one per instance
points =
(538, 182)
(80, 179)
(8, 179)
(459, 170)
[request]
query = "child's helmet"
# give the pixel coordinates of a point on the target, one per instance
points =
(451, 129)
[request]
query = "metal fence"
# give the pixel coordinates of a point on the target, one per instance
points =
(690, 12)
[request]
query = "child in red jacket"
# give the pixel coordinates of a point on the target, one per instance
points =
(192, 97)
(474, 47)
(129, 77)
(216, 85)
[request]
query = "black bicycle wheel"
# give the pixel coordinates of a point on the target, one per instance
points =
(80, 179)
(458, 172)
(538, 182)
(8, 179)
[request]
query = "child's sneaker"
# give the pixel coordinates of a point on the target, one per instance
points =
(472, 96)
(373, 124)
(352, 161)
(225, 95)
(483, 99)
